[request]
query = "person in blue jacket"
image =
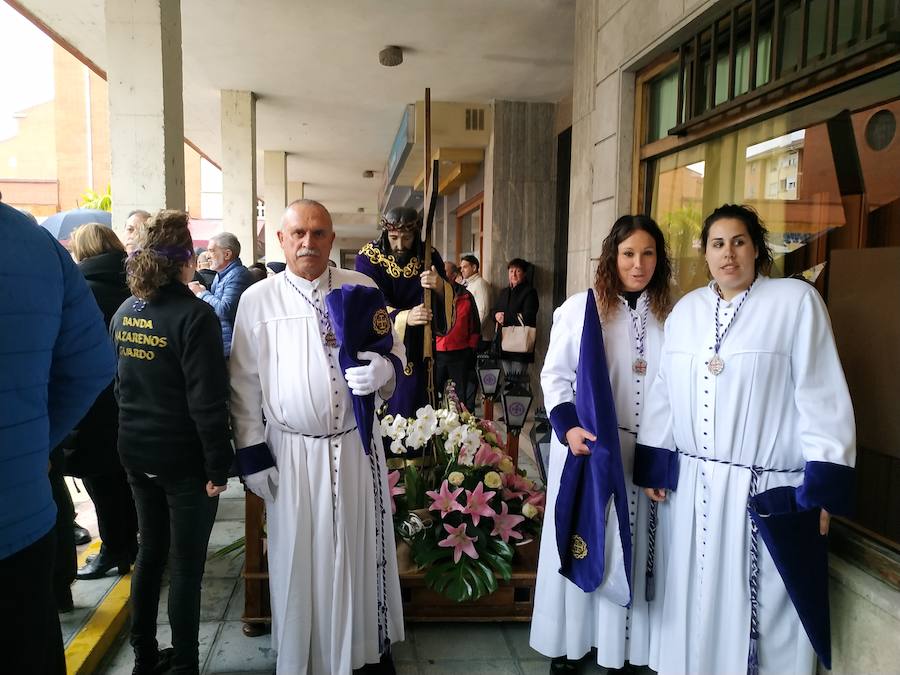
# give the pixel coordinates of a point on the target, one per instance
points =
(55, 358)
(232, 279)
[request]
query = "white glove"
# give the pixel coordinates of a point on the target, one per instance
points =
(371, 377)
(263, 483)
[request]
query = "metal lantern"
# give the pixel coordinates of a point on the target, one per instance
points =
(517, 400)
(488, 370)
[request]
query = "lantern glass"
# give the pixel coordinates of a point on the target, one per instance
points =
(516, 403)
(488, 375)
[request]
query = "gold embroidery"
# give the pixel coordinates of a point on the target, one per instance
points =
(376, 257)
(579, 547)
(381, 322)
(408, 370)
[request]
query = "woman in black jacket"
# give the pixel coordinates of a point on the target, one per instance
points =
(93, 455)
(174, 438)
(520, 299)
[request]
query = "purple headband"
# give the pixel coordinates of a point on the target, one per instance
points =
(171, 252)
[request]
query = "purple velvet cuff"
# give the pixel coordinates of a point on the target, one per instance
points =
(562, 418)
(655, 467)
(253, 459)
(828, 486)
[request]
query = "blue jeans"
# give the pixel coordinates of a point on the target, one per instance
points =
(175, 518)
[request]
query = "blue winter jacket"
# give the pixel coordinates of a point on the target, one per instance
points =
(55, 358)
(223, 297)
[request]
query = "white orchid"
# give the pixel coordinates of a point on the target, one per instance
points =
(386, 422)
(397, 447)
(416, 437)
(397, 429)
(448, 422)
(427, 419)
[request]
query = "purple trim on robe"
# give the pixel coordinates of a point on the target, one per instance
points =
(353, 309)
(253, 459)
(655, 467)
(828, 486)
(562, 418)
(800, 553)
(588, 482)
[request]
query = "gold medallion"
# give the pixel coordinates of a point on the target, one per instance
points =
(579, 547)
(381, 322)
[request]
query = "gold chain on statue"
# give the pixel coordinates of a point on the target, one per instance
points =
(376, 257)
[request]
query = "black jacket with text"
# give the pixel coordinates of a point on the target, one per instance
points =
(172, 387)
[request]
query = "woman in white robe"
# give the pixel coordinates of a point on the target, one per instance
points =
(749, 377)
(632, 290)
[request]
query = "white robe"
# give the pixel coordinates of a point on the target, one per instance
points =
(781, 401)
(566, 620)
(332, 560)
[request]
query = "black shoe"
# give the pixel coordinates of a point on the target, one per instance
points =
(561, 664)
(163, 661)
(103, 563)
(82, 536)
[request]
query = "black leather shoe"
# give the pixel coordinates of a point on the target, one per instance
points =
(103, 563)
(163, 661)
(82, 536)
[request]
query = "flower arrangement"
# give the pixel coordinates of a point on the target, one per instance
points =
(461, 531)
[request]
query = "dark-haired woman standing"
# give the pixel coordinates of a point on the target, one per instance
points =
(173, 434)
(101, 258)
(631, 291)
(750, 396)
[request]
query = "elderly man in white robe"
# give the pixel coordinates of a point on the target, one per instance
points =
(332, 572)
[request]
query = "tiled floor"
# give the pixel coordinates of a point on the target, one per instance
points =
(429, 648)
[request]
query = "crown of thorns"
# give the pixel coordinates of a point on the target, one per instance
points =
(405, 221)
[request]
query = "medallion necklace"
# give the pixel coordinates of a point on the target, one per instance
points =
(328, 337)
(638, 334)
(717, 364)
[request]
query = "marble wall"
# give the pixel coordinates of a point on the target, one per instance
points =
(520, 203)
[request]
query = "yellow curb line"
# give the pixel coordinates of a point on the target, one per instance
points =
(90, 645)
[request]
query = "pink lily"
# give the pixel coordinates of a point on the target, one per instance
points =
(477, 503)
(486, 455)
(460, 542)
(393, 479)
(515, 486)
(504, 522)
(445, 501)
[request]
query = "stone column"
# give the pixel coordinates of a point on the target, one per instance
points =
(521, 182)
(239, 169)
(275, 192)
(146, 120)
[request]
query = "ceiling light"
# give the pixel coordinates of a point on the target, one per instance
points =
(390, 56)
(368, 173)
(361, 209)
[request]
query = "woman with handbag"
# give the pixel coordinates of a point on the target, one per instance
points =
(631, 296)
(516, 317)
(92, 454)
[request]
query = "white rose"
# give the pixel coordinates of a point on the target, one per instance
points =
(506, 465)
(529, 510)
(492, 480)
(456, 478)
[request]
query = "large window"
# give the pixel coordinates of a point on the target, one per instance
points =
(824, 178)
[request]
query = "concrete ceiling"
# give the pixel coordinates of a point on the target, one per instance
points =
(323, 97)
